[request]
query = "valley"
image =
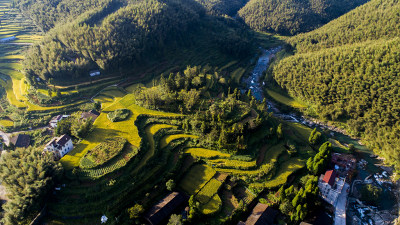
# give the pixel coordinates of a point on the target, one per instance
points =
(186, 112)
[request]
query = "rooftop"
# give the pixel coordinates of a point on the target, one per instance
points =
(329, 177)
(261, 215)
(21, 141)
(165, 208)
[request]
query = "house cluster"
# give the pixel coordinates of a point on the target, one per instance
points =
(330, 186)
(59, 146)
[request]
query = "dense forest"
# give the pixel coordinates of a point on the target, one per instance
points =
(48, 13)
(141, 31)
(357, 83)
(226, 7)
(371, 21)
(289, 17)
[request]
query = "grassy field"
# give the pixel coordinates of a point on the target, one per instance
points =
(196, 178)
(103, 128)
(6, 123)
(206, 153)
(271, 156)
(286, 100)
(230, 163)
(169, 138)
(208, 191)
(211, 206)
(284, 171)
(237, 74)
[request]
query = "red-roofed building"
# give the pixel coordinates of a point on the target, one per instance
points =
(329, 177)
(330, 185)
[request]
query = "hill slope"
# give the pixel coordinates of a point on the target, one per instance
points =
(371, 21)
(227, 7)
(289, 17)
(122, 36)
(350, 70)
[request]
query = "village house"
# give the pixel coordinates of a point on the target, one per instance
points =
(94, 73)
(91, 114)
(330, 186)
(60, 146)
(345, 164)
(262, 214)
(163, 210)
(20, 141)
(56, 119)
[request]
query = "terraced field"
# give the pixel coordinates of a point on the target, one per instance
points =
(103, 128)
(169, 138)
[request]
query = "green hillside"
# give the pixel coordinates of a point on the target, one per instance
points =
(290, 17)
(373, 20)
(227, 7)
(135, 34)
(349, 69)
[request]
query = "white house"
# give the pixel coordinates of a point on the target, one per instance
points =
(60, 146)
(94, 73)
(330, 185)
(56, 119)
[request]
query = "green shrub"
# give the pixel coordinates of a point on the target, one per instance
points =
(118, 115)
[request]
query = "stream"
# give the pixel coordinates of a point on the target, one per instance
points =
(255, 83)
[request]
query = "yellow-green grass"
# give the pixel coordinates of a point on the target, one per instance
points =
(234, 163)
(302, 130)
(106, 101)
(208, 191)
(150, 131)
(12, 73)
(228, 65)
(168, 138)
(11, 65)
(237, 74)
(53, 93)
(103, 128)
(212, 206)
(284, 171)
(28, 38)
(8, 57)
(133, 87)
(271, 156)
(196, 178)
(6, 123)
(12, 99)
(206, 153)
(286, 100)
(20, 89)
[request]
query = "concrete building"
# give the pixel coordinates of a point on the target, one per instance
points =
(330, 185)
(60, 146)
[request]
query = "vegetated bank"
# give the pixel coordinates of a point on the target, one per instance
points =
(349, 70)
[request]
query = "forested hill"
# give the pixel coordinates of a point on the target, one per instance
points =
(137, 32)
(373, 20)
(47, 13)
(350, 70)
(226, 7)
(290, 17)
